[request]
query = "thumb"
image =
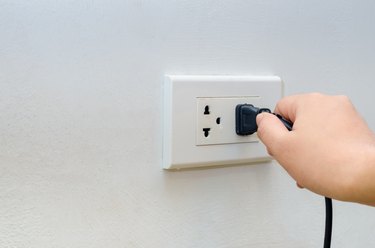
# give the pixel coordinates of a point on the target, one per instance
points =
(271, 132)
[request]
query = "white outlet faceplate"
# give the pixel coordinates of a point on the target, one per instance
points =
(192, 138)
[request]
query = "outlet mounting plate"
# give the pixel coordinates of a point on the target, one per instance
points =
(199, 120)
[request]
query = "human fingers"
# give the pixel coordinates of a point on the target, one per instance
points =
(271, 132)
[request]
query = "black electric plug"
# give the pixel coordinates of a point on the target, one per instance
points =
(246, 119)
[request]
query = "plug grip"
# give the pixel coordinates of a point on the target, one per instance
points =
(246, 119)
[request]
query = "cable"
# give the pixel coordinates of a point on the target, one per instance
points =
(246, 125)
(328, 228)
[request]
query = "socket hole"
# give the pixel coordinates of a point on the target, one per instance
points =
(218, 120)
(206, 131)
(206, 110)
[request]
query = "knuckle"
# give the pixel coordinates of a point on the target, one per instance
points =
(343, 98)
(315, 94)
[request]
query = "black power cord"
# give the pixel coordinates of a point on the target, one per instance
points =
(329, 216)
(246, 125)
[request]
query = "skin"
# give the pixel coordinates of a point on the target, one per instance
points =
(330, 151)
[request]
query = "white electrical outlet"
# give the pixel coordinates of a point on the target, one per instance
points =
(199, 119)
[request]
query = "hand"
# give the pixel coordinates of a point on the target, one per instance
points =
(330, 151)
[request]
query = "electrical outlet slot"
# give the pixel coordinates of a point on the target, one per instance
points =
(206, 110)
(206, 132)
(218, 120)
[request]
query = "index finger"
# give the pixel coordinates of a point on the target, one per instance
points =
(287, 107)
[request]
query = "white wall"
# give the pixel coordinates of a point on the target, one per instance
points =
(80, 120)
